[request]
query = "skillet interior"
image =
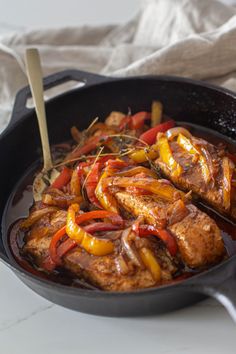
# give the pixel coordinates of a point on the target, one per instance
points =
(184, 100)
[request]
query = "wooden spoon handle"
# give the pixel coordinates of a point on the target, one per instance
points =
(34, 72)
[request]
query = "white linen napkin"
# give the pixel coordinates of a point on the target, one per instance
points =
(191, 38)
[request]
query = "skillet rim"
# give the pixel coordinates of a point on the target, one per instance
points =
(101, 80)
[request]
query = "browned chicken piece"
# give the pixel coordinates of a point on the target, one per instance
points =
(205, 170)
(198, 237)
(99, 271)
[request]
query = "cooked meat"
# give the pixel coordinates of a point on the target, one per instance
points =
(110, 220)
(192, 177)
(114, 118)
(198, 237)
(99, 271)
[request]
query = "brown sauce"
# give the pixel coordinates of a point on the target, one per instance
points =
(18, 208)
(21, 200)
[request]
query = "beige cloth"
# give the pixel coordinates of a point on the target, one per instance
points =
(191, 38)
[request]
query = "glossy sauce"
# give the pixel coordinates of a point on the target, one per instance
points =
(21, 200)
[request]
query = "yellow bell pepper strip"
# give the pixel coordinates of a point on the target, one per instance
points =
(145, 154)
(96, 246)
(107, 201)
(228, 169)
(188, 146)
(93, 245)
(75, 183)
(155, 186)
(156, 114)
(56, 250)
(149, 136)
(167, 156)
(151, 263)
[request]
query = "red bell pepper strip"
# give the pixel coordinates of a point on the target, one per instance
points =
(117, 164)
(164, 235)
(63, 248)
(149, 136)
(102, 160)
(90, 160)
(91, 184)
(134, 122)
(125, 123)
(138, 119)
(53, 244)
(93, 179)
(63, 178)
(91, 144)
(116, 219)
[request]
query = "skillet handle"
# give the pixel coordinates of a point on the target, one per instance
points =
(220, 284)
(84, 78)
(226, 295)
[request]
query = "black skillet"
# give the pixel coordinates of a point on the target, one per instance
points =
(184, 100)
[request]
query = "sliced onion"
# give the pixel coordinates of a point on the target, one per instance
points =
(199, 141)
(137, 170)
(131, 253)
(36, 215)
(208, 161)
(136, 224)
(121, 265)
(165, 181)
(173, 132)
(228, 169)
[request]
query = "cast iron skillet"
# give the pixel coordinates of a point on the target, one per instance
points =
(184, 100)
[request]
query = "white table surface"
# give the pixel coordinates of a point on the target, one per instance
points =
(30, 324)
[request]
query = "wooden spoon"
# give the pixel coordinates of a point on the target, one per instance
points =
(34, 73)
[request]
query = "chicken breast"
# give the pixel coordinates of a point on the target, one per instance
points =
(198, 237)
(99, 271)
(192, 177)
